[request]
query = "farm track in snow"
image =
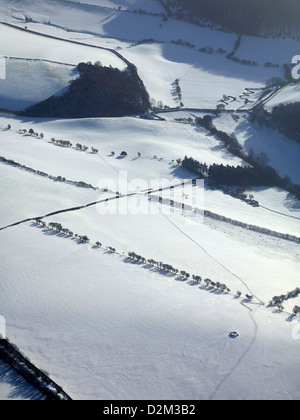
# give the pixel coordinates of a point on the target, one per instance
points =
(239, 361)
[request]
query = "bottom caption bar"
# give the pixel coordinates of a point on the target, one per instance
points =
(134, 409)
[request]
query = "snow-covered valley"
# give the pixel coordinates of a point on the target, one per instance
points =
(106, 326)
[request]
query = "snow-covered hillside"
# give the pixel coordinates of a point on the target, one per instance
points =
(130, 333)
(282, 152)
(106, 326)
(157, 142)
(267, 50)
(288, 95)
(204, 77)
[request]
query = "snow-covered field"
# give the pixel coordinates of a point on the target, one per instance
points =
(203, 78)
(166, 141)
(278, 211)
(17, 92)
(28, 191)
(108, 329)
(37, 67)
(210, 245)
(102, 325)
(98, 20)
(27, 45)
(267, 50)
(211, 249)
(149, 6)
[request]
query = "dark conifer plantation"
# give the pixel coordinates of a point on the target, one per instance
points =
(98, 92)
(287, 119)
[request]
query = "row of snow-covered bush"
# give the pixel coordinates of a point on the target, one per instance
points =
(207, 213)
(258, 229)
(45, 175)
(62, 143)
(57, 227)
(278, 300)
(167, 268)
(182, 274)
(67, 143)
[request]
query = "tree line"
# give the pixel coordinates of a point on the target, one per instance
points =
(265, 231)
(278, 300)
(245, 177)
(287, 119)
(168, 268)
(207, 213)
(258, 174)
(251, 17)
(58, 178)
(230, 141)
